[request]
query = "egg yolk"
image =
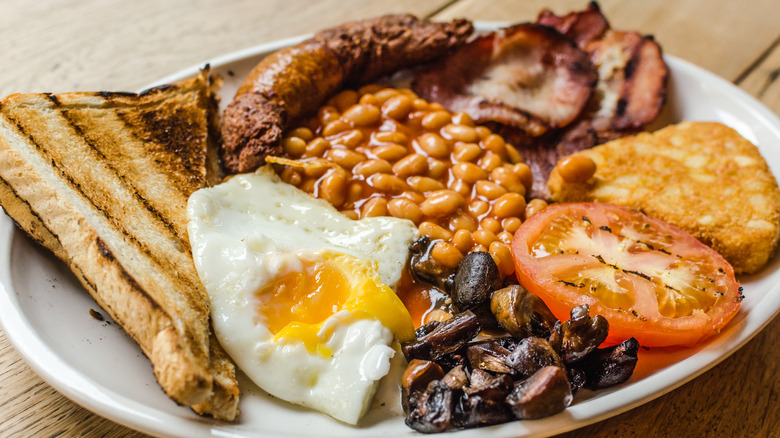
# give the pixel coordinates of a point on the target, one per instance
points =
(298, 303)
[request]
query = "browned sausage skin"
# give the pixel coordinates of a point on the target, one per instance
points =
(295, 81)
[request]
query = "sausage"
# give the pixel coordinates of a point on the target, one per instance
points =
(295, 81)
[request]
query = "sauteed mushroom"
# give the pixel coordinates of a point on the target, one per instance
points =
(521, 313)
(433, 412)
(582, 334)
(488, 356)
(576, 378)
(610, 366)
(415, 380)
(448, 337)
(456, 377)
(475, 280)
(506, 377)
(531, 355)
(483, 402)
(545, 393)
(426, 268)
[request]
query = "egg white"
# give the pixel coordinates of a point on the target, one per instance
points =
(252, 229)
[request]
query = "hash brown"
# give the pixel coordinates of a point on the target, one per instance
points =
(702, 177)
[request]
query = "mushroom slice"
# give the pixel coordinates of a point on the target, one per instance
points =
(456, 378)
(531, 355)
(488, 356)
(520, 312)
(415, 379)
(528, 76)
(448, 337)
(426, 268)
(582, 334)
(545, 393)
(433, 412)
(484, 404)
(610, 366)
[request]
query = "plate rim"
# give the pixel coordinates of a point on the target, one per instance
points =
(132, 414)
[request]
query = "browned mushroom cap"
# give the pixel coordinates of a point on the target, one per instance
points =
(528, 76)
(483, 403)
(416, 377)
(419, 373)
(433, 412)
(545, 393)
(611, 366)
(531, 355)
(520, 312)
(475, 280)
(426, 268)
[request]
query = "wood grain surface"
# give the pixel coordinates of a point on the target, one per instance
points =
(69, 45)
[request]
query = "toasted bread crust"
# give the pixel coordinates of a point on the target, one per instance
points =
(102, 180)
(700, 176)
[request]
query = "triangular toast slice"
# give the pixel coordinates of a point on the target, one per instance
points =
(102, 180)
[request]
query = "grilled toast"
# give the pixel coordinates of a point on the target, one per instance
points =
(702, 177)
(102, 180)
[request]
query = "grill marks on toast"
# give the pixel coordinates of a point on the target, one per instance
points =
(105, 251)
(72, 160)
(162, 174)
(23, 215)
(99, 179)
(74, 118)
(164, 220)
(28, 219)
(159, 304)
(177, 137)
(32, 221)
(64, 161)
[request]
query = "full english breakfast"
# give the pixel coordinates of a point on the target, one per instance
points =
(397, 186)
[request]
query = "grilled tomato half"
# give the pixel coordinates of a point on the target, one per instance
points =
(650, 279)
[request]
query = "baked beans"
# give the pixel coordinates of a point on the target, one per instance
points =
(534, 206)
(398, 155)
(576, 168)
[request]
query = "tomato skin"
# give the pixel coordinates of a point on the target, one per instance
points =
(546, 275)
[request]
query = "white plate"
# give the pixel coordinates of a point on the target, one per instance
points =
(45, 312)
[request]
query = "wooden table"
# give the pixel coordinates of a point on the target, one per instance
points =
(117, 45)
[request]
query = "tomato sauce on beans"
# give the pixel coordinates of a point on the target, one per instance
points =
(398, 155)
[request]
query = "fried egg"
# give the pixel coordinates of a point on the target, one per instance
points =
(300, 294)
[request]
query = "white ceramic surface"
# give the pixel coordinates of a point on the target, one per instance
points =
(45, 313)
